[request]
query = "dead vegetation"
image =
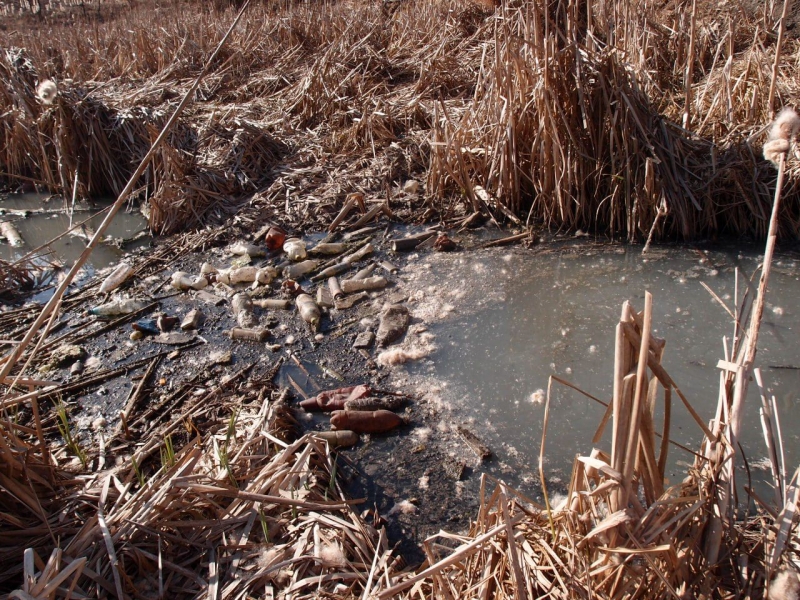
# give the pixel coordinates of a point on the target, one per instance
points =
(527, 113)
(562, 117)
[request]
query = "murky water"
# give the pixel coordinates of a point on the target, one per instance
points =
(506, 320)
(47, 219)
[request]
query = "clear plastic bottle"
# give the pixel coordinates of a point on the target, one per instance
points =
(121, 306)
(309, 311)
(116, 278)
(302, 268)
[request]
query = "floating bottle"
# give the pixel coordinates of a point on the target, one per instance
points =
(124, 306)
(297, 270)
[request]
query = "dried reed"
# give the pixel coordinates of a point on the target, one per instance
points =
(561, 116)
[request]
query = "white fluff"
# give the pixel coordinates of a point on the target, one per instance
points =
(399, 356)
(785, 586)
(784, 129)
(404, 507)
(47, 91)
(332, 554)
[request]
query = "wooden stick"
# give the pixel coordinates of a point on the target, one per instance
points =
(641, 376)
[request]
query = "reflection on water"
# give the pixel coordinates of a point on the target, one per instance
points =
(517, 318)
(47, 219)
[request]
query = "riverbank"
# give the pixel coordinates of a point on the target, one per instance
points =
(646, 135)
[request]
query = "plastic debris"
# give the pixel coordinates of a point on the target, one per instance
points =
(297, 270)
(124, 306)
(335, 399)
(359, 285)
(243, 248)
(309, 311)
(295, 249)
(393, 325)
(116, 278)
(339, 438)
(376, 421)
(193, 320)
(258, 334)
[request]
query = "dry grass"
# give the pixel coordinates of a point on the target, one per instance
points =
(234, 511)
(573, 119)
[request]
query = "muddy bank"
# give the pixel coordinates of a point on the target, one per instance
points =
(121, 392)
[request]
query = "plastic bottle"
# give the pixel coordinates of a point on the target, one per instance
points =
(329, 248)
(370, 283)
(183, 281)
(116, 278)
(272, 303)
(247, 274)
(358, 254)
(309, 311)
(243, 248)
(251, 335)
(242, 306)
(299, 269)
(124, 306)
(295, 249)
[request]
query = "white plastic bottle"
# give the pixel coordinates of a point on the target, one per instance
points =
(295, 249)
(116, 278)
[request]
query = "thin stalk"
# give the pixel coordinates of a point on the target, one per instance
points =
(778, 47)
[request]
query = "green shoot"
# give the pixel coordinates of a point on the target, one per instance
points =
(66, 433)
(167, 453)
(138, 471)
(264, 525)
(222, 452)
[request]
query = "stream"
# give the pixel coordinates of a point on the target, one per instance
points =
(40, 218)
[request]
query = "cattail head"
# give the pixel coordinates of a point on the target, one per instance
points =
(47, 91)
(783, 130)
(785, 126)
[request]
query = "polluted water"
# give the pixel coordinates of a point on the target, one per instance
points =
(40, 218)
(504, 321)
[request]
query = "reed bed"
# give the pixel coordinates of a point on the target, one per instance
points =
(621, 531)
(604, 117)
(234, 511)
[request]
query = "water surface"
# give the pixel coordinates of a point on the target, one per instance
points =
(507, 320)
(41, 218)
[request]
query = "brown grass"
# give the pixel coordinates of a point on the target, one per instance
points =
(572, 119)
